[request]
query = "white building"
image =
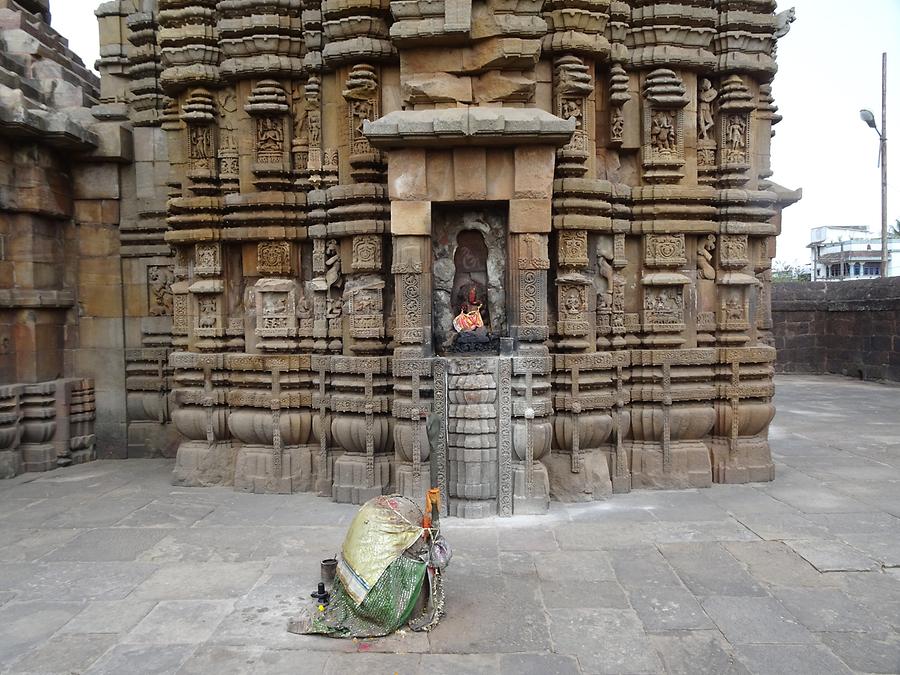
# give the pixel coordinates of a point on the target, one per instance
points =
(850, 252)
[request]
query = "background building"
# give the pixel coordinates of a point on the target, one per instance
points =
(847, 252)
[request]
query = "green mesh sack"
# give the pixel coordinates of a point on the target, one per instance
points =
(386, 608)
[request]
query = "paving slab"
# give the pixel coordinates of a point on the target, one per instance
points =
(667, 608)
(144, 659)
(780, 659)
(538, 664)
(832, 556)
(828, 609)
(64, 654)
(708, 569)
(866, 653)
(697, 653)
(108, 616)
(604, 640)
(776, 564)
(201, 581)
(24, 625)
(755, 621)
(287, 662)
(106, 545)
(224, 660)
(180, 622)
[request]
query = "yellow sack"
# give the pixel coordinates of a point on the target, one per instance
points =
(384, 527)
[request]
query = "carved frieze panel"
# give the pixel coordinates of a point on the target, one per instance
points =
(276, 311)
(208, 259)
(706, 125)
(664, 250)
(618, 97)
(573, 84)
(533, 252)
(573, 248)
(366, 308)
(367, 254)
(159, 288)
(734, 308)
(273, 257)
(734, 251)
(573, 307)
(736, 105)
(663, 127)
(533, 305)
(664, 307)
(209, 319)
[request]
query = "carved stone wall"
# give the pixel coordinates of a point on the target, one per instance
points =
(296, 166)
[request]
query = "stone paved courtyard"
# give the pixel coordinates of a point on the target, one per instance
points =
(107, 568)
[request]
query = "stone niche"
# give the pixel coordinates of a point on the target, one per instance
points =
(469, 255)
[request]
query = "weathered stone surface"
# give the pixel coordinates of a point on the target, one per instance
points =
(848, 328)
(300, 202)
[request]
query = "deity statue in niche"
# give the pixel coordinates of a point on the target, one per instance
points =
(471, 324)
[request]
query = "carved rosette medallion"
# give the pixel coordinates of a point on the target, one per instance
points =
(273, 258)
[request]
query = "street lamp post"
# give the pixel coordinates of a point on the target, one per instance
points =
(869, 118)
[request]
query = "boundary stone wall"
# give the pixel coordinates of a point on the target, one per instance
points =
(849, 328)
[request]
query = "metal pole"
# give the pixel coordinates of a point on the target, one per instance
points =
(884, 159)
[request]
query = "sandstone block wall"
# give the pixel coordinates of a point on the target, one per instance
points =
(849, 328)
(61, 324)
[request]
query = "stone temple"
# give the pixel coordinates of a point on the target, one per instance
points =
(247, 244)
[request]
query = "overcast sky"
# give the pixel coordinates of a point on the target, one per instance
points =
(829, 68)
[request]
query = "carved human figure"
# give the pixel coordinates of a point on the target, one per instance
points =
(736, 128)
(572, 108)
(271, 135)
(207, 307)
(705, 120)
(704, 257)
(662, 134)
(573, 302)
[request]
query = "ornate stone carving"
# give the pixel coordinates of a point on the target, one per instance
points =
(665, 99)
(159, 283)
(665, 250)
(367, 253)
(273, 257)
(573, 248)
